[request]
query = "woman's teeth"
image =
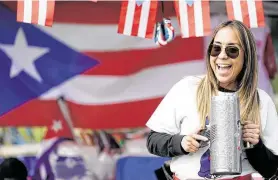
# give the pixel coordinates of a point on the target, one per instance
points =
(223, 66)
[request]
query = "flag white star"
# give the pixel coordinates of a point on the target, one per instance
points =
(57, 126)
(70, 163)
(23, 56)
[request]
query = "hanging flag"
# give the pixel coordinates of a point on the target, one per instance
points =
(193, 17)
(137, 18)
(250, 12)
(58, 128)
(39, 12)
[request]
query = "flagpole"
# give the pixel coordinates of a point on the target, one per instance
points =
(66, 114)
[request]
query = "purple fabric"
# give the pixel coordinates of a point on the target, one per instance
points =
(205, 161)
(60, 167)
(43, 160)
(205, 165)
(66, 172)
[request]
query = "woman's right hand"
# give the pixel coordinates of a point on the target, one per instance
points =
(190, 142)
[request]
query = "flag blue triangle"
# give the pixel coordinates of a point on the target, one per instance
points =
(189, 2)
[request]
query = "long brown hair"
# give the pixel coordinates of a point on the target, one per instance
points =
(247, 79)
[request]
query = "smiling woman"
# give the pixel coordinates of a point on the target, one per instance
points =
(226, 57)
(231, 64)
(180, 124)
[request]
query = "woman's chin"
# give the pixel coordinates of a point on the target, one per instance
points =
(224, 80)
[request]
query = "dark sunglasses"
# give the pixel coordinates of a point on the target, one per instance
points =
(231, 51)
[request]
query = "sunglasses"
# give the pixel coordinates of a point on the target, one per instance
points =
(231, 51)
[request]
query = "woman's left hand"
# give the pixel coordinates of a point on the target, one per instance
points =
(251, 132)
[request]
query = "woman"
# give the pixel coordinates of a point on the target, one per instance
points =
(176, 123)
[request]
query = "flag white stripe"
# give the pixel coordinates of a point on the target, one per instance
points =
(85, 40)
(149, 83)
(43, 172)
(183, 18)
(252, 13)
(27, 14)
(144, 18)
(42, 12)
(198, 15)
(237, 10)
(129, 18)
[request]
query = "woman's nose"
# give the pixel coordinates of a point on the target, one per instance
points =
(223, 54)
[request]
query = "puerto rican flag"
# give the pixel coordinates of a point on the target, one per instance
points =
(123, 90)
(137, 18)
(58, 127)
(250, 12)
(36, 11)
(194, 17)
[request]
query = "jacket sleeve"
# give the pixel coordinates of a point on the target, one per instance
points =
(165, 145)
(263, 157)
(262, 160)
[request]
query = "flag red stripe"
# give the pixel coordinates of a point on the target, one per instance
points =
(50, 12)
(230, 9)
(120, 62)
(123, 12)
(191, 20)
(124, 115)
(151, 20)
(20, 11)
(206, 17)
(32, 113)
(42, 113)
(136, 20)
(245, 13)
(260, 13)
(35, 12)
